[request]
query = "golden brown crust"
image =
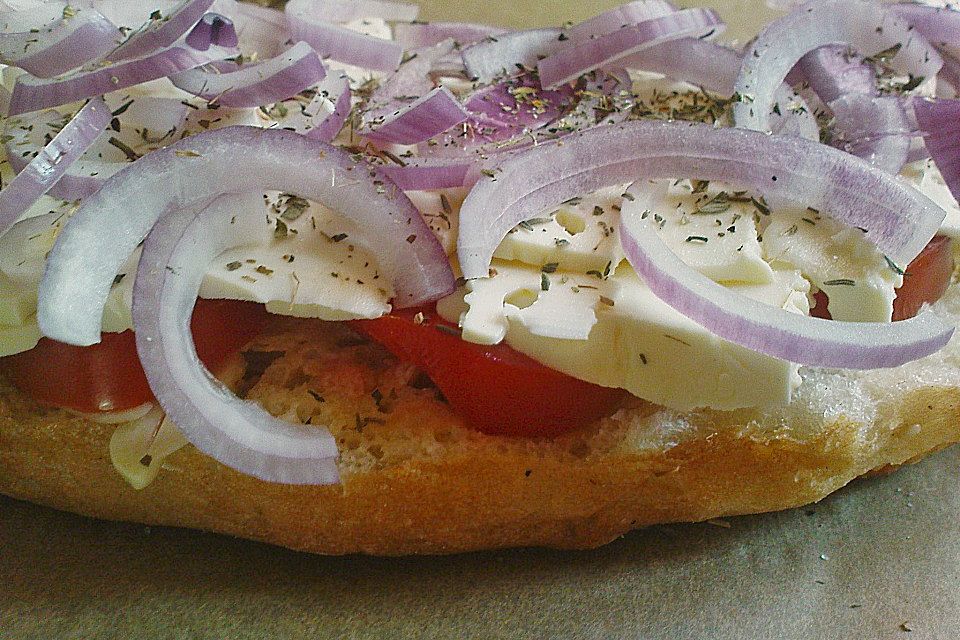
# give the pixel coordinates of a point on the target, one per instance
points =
(493, 493)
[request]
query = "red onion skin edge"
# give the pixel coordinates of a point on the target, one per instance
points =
(84, 260)
(425, 34)
(613, 19)
(870, 27)
(163, 33)
(52, 162)
(577, 58)
(898, 218)
(340, 43)
(90, 36)
(426, 117)
(266, 82)
(939, 122)
(213, 28)
(239, 434)
(35, 94)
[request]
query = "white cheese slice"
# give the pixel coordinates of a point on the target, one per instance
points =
(710, 226)
(634, 340)
(579, 235)
(857, 278)
(301, 260)
(552, 305)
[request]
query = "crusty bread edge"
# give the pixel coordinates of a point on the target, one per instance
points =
(497, 497)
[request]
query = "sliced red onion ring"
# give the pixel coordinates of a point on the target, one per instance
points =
(429, 175)
(706, 64)
(239, 434)
(867, 26)
(273, 80)
(506, 54)
(84, 260)
(835, 70)
(31, 93)
(619, 17)
(897, 217)
(939, 25)
(146, 116)
(424, 118)
(334, 89)
(950, 73)
(349, 10)
(939, 120)
(212, 28)
(163, 29)
(262, 32)
(55, 37)
(339, 43)
(770, 330)
(876, 129)
(425, 34)
(52, 162)
(578, 58)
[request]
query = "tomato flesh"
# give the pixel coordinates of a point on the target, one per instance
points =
(493, 388)
(108, 376)
(925, 280)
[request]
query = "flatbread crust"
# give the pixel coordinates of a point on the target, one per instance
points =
(416, 481)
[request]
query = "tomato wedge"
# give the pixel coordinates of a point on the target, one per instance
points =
(493, 388)
(925, 280)
(108, 377)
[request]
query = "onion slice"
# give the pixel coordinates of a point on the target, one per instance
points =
(334, 89)
(160, 119)
(52, 162)
(213, 28)
(426, 175)
(619, 17)
(262, 32)
(425, 34)
(266, 82)
(55, 37)
(770, 330)
(939, 25)
(349, 10)
(31, 93)
(876, 129)
(869, 27)
(506, 54)
(897, 217)
(162, 30)
(424, 118)
(84, 259)
(238, 434)
(833, 71)
(578, 58)
(339, 43)
(939, 120)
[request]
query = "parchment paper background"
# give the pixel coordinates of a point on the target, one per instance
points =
(880, 559)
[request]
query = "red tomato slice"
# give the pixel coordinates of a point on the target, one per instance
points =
(493, 388)
(925, 280)
(108, 377)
